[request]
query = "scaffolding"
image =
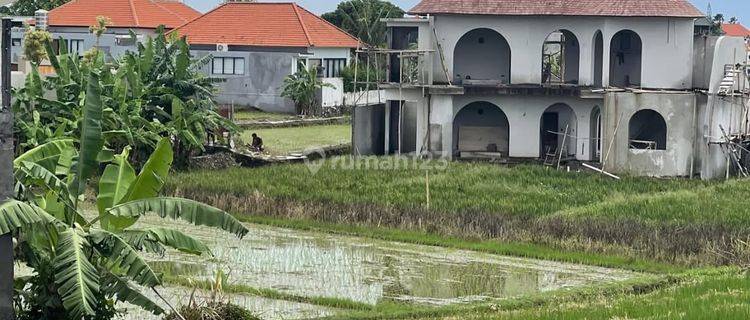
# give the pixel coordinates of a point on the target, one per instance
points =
(735, 141)
(411, 64)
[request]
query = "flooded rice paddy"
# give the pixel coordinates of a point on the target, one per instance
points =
(364, 270)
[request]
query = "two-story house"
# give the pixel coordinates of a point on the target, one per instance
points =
(627, 83)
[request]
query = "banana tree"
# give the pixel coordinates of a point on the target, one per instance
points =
(84, 262)
(138, 90)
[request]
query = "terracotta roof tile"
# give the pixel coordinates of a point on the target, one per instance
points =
(265, 25)
(618, 8)
(735, 30)
(123, 13)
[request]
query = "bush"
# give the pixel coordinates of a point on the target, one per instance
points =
(213, 311)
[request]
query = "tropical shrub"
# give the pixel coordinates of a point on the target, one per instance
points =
(156, 91)
(301, 88)
(212, 311)
(82, 265)
(216, 306)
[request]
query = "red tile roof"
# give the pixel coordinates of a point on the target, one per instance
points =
(147, 14)
(265, 25)
(617, 8)
(735, 30)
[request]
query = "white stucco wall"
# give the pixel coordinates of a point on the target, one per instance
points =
(667, 45)
(332, 95)
(679, 112)
(524, 115)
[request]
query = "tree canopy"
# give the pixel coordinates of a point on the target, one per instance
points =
(361, 18)
(28, 7)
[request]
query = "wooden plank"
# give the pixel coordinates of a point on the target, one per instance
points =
(588, 166)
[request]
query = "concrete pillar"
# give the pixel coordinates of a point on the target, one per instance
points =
(607, 39)
(6, 175)
(387, 130)
(441, 125)
(586, 60)
(6, 241)
(422, 124)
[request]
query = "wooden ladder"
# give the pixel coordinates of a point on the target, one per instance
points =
(553, 159)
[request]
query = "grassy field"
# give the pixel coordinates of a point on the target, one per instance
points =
(714, 296)
(282, 141)
(257, 115)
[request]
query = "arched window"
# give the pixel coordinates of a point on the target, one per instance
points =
(625, 59)
(648, 131)
(482, 54)
(560, 58)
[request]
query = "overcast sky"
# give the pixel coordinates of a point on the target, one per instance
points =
(738, 8)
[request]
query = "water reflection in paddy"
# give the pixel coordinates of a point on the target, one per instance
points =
(366, 270)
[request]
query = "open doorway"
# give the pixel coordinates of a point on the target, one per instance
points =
(560, 58)
(558, 131)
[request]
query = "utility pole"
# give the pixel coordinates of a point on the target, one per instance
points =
(6, 172)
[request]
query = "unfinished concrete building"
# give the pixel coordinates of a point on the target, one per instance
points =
(627, 84)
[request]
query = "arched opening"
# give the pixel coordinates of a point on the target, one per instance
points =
(560, 58)
(482, 55)
(648, 131)
(596, 134)
(598, 59)
(481, 127)
(559, 131)
(625, 59)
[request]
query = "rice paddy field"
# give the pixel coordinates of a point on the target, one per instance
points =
(688, 238)
(532, 191)
(286, 140)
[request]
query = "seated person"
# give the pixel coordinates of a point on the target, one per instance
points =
(257, 144)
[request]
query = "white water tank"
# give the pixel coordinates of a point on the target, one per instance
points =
(41, 19)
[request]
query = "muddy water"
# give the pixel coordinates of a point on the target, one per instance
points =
(370, 271)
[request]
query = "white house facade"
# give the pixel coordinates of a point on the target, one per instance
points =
(628, 84)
